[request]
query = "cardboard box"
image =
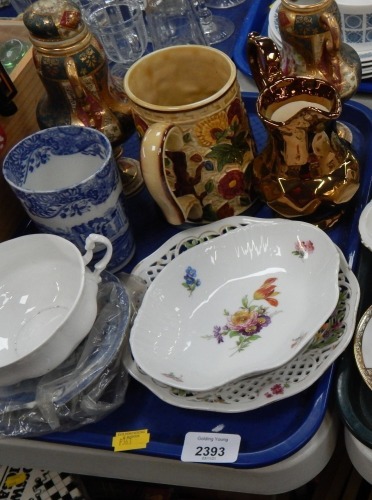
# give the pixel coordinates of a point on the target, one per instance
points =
(21, 124)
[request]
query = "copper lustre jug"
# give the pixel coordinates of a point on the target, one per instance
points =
(305, 169)
(73, 68)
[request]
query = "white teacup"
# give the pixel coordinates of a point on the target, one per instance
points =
(67, 180)
(48, 302)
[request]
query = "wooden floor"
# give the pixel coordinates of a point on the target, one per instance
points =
(338, 481)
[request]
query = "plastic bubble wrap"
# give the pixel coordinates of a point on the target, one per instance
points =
(87, 386)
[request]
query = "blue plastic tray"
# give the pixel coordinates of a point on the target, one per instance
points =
(256, 19)
(271, 433)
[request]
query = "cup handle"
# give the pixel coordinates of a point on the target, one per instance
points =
(159, 138)
(90, 243)
(264, 60)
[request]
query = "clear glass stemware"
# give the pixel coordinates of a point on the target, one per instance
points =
(223, 4)
(216, 29)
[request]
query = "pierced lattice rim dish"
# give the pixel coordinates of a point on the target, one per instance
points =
(253, 392)
(294, 377)
(238, 305)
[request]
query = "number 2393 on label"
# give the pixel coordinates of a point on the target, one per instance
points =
(209, 447)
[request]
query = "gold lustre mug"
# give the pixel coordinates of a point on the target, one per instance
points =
(196, 136)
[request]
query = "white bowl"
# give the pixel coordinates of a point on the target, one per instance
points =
(47, 302)
(236, 306)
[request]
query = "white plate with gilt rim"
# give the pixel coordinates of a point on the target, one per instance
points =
(237, 305)
(363, 347)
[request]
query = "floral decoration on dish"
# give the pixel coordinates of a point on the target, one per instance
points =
(191, 279)
(303, 249)
(245, 324)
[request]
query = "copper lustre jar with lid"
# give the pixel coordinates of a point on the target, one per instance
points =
(312, 44)
(73, 68)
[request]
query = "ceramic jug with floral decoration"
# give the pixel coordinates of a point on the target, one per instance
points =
(196, 136)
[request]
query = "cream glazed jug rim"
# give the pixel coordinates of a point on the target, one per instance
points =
(291, 5)
(184, 107)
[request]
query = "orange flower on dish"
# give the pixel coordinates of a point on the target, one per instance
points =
(267, 292)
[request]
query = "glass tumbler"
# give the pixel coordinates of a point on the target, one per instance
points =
(120, 26)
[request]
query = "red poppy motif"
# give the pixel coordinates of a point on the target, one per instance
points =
(231, 184)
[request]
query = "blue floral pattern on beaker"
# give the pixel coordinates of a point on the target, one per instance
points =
(74, 201)
(37, 149)
(114, 225)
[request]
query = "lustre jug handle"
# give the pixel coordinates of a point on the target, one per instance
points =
(264, 60)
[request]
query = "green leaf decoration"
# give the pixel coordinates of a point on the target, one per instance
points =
(187, 137)
(245, 302)
(226, 153)
(209, 186)
(233, 333)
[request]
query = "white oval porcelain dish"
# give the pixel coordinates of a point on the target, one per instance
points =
(47, 302)
(236, 306)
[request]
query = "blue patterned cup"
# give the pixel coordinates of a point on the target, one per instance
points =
(67, 180)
